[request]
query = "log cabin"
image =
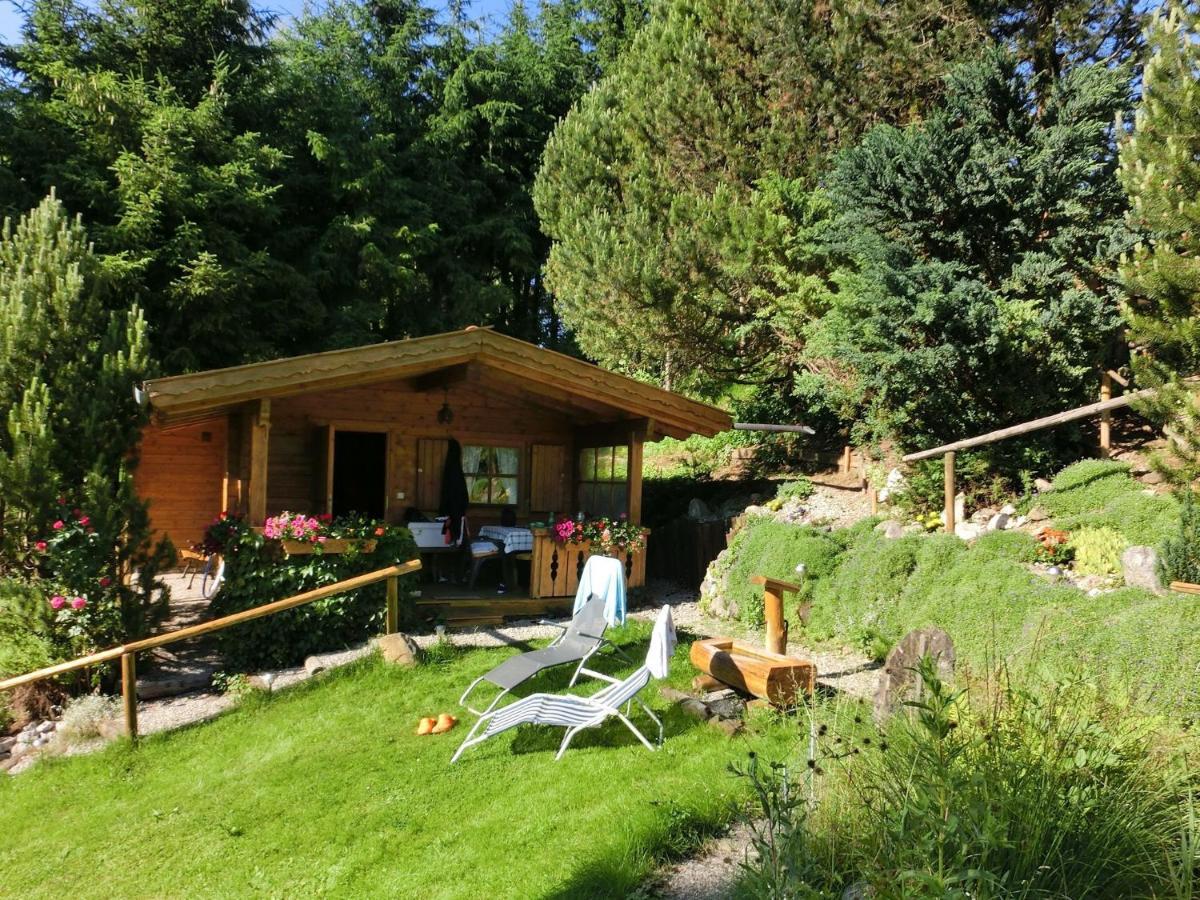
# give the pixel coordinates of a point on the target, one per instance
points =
(366, 430)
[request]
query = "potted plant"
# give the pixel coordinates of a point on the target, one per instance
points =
(299, 534)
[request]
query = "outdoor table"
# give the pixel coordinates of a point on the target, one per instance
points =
(512, 542)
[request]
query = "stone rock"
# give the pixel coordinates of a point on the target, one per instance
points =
(673, 695)
(860, 890)
(1139, 565)
(25, 762)
(890, 529)
(698, 510)
(898, 681)
(26, 737)
(319, 662)
(755, 510)
(896, 482)
(398, 649)
(730, 726)
(7, 763)
(40, 742)
(1152, 478)
(960, 507)
(1039, 514)
(46, 727)
(1042, 486)
(968, 531)
(983, 516)
(16, 751)
(1009, 510)
(696, 708)
(998, 522)
(7, 744)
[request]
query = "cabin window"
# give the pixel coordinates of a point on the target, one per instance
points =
(491, 474)
(604, 480)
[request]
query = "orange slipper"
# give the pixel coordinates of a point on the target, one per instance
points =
(444, 723)
(426, 726)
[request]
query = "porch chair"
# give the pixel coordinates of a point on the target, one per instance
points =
(578, 641)
(575, 713)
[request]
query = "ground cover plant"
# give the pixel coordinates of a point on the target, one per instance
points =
(326, 789)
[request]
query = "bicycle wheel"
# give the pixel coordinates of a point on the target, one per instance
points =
(214, 574)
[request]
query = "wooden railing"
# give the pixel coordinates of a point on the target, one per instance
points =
(1104, 409)
(127, 653)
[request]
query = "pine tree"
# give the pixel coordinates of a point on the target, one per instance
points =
(676, 190)
(67, 370)
(1160, 170)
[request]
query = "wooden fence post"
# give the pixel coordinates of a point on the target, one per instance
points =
(393, 605)
(874, 494)
(1106, 416)
(950, 492)
(845, 465)
(129, 693)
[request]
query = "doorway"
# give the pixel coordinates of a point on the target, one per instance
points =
(359, 473)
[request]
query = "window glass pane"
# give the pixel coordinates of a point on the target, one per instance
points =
(587, 464)
(506, 461)
(477, 488)
(587, 497)
(604, 458)
(620, 463)
(474, 460)
(620, 496)
(504, 490)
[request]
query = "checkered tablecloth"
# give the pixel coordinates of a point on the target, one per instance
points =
(513, 540)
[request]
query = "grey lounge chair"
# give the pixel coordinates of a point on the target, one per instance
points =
(578, 641)
(576, 713)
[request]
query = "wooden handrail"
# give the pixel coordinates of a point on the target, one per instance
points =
(126, 652)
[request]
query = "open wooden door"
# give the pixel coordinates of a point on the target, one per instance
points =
(323, 501)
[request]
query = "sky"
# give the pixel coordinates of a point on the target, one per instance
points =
(11, 17)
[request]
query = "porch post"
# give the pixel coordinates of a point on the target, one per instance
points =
(260, 431)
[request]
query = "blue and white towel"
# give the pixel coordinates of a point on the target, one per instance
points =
(605, 576)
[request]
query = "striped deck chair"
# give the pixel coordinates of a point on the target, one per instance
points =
(576, 713)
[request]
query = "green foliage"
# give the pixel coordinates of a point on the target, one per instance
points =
(257, 572)
(1098, 551)
(1100, 493)
(1160, 170)
(67, 370)
(797, 489)
(26, 628)
(986, 239)
(1181, 551)
(1037, 789)
(680, 190)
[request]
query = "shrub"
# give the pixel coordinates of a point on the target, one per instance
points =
(257, 572)
(1181, 551)
(84, 716)
(798, 489)
(995, 792)
(26, 628)
(1101, 493)
(1098, 551)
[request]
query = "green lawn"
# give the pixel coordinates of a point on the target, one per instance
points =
(325, 789)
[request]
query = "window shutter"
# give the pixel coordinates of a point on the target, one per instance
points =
(431, 460)
(548, 478)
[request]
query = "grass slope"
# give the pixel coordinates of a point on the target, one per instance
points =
(325, 789)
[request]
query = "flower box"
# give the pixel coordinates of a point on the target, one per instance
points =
(332, 545)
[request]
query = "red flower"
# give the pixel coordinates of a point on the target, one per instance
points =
(326, 517)
(105, 581)
(41, 546)
(84, 520)
(59, 525)
(379, 531)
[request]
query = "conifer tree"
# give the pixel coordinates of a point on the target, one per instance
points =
(1160, 170)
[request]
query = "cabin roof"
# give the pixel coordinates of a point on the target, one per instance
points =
(519, 369)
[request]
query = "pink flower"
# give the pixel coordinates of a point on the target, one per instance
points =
(57, 601)
(41, 546)
(78, 603)
(322, 539)
(105, 581)
(84, 520)
(59, 525)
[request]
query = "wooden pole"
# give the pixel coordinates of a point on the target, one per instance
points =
(846, 459)
(950, 492)
(1105, 416)
(393, 605)
(874, 500)
(776, 627)
(129, 693)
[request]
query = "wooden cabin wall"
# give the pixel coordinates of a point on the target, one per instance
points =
(408, 415)
(181, 472)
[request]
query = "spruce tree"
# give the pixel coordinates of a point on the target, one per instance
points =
(1160, 170)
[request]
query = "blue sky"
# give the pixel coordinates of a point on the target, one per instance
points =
(10, 15)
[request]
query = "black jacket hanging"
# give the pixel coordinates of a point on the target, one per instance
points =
(454, 498)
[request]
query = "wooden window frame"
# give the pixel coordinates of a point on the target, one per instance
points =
(518, 453)
(610, 482)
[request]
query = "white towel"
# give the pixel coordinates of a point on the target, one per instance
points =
(603, 575)
(662, 644)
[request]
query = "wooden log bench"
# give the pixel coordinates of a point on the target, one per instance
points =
(772, 676)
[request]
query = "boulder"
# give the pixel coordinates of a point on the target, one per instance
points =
(1038, 514)
(1042, 486)
(674, 695)
(698, 709)
(698, 510)
(890, 529)
(968, 531)
(730, 727)
(1139, 565)
(1152, 478)
(755, 510)
(998, 522)
(960, 507)
(898, 681)
(983, 516)
(46, 727)
(398, 649)
(7, 744)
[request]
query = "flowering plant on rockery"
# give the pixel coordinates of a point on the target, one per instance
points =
(608, 535)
